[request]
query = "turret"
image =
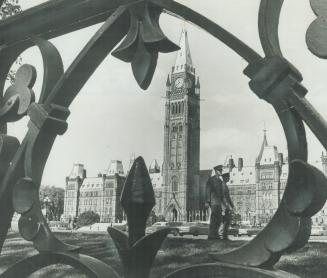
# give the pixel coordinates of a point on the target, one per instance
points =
(280, 159)
(231, 164)
(240, 164)
(168, 86)
(116, 167)
(197, 86)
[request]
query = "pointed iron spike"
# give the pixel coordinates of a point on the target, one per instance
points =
(126, 50)
(138, 187)
(144, 65)
(137, 199)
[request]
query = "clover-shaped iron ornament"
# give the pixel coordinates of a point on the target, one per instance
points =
(19, 95)
(317, 32)
(143, 42)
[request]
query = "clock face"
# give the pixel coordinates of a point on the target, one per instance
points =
(179, 82)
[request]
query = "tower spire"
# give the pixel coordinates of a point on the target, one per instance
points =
(264, 144)
(184, 59)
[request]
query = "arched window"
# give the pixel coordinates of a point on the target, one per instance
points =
(174, 184)
(179, 108)
(183, 107)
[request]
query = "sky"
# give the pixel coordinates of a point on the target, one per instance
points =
(112, 118)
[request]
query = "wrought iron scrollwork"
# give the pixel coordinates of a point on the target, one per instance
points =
(136, 24)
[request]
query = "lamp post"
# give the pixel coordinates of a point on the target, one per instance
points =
(46, 202)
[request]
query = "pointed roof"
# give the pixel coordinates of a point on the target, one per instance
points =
(268, 154)
(168, 83)
(154, 167)
(183, 58)
(77, 171)
(197, 85)
(115, 167)
(263, 145)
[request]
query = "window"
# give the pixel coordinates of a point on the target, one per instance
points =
(180, 128)
(174, 184)
(110, 184)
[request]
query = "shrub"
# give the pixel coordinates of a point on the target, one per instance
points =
(87, 218)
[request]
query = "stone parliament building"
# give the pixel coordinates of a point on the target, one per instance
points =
(179, 185)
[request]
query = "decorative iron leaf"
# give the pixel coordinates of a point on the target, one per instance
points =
(143, 65)
(306, 192)
(126, 50)
(316, 36)
(19, 96)
(137, 259)
(25, 194)
(143, 42)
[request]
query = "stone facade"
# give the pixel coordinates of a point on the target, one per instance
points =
(73, 184)
(100, 194)
(257, 190)
(321, 217)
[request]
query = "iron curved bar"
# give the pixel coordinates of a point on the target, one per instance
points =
(88, 265)
(180, 11)
(219, 270)
(47, 121)
(269, 15)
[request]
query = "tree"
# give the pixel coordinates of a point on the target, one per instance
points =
(7, 9)
(55, 207)
(87, 218)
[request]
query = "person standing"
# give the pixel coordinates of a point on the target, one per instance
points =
(215, 200)
(229, 206)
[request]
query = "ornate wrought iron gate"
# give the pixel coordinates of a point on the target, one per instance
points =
(272, 78)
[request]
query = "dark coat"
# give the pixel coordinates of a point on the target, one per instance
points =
(214, 191)
(228, 199)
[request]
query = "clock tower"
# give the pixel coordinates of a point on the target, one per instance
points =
(181, 164)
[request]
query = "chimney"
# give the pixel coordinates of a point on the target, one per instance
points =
(280, 159)
(240, 164)
(231, 164)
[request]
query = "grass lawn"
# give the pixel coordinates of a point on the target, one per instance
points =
(176, 252)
